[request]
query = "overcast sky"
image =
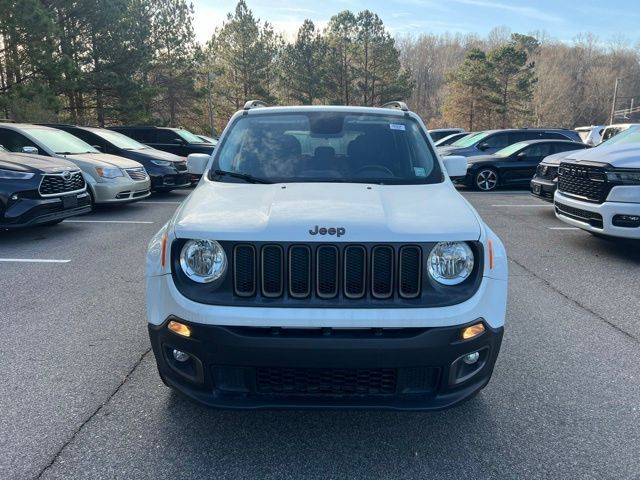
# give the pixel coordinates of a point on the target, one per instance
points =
(561, 19)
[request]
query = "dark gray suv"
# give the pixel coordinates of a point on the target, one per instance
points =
(490, 141)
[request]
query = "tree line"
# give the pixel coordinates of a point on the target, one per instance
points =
(105, 62)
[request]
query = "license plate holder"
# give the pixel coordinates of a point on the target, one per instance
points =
(70, 201)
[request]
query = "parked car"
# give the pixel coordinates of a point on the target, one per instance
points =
(486, 143)
(211, 140)
(37, 190)
(301, 273)
(599, 190)
(439, 133)
(110, 179)
(454, 137)
(591, 135)
(614, 129)
(173, 140)
(514, 165)
(166, 170)
(545, 182)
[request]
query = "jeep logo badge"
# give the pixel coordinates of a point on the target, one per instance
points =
(337, 231)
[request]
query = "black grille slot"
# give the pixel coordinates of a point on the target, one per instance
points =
(326, 381)
(382, 272)
(355, 271)
(272, 271)
(137, 173)
(592, 218)
(57, 184)
(299, 271)
(410, 271)
(327, 271)
(583, 181)
(244, 278)
(181, 166)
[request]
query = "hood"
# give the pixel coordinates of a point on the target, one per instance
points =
(556, 158)
(621, 156)
(154, 154)
(464, 151)
(104, 160)
(287, 212)
(481, 158)
(23, 162)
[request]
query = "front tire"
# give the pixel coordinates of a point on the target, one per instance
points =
(486, 180)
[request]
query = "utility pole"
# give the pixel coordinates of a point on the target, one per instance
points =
(210, 104)
(613, 104)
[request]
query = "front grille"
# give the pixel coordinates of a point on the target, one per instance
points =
(592, 218)
(327, 271)
(546, 172)
(137, 173)
(583, 181)
(326, 381)
(57, 184)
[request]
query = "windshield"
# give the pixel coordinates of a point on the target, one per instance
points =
(2, 149)
(328, 147)
(471, 140)
(61, 142)
(511, 149)
(189, 137)
(119, 140)
(630, 135)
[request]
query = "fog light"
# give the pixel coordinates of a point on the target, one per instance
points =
(469, 359)
(14, 196)
(181, 356)
(472, 331)
(629, 221)
(179, 328)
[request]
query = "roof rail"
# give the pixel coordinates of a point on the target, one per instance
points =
(397, 105)
(254, 104)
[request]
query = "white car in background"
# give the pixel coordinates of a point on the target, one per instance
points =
(591, 135)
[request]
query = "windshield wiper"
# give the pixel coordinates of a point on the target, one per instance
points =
(242, 176)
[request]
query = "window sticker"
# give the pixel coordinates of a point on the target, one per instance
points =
(396, 126)
(419, 171)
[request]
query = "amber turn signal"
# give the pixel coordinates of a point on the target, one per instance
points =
(473, 331)
(179, 328)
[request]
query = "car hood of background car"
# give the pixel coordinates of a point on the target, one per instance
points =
(287, 212)
(619, 156)
(104, 160)
(464, 151)
(153, 154)
(556, 158)
(482, 158)
(24, 162)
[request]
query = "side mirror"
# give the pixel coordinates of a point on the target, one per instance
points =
(521, 155)
(197, 163)
(30, 150)
(483, 146)
(179, 141)
(455, 165)
(97, 147)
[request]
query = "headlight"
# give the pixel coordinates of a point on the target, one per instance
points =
(203, 261)
(13, 175)
(450, 263)
(630, 177)
(109, 172)
(161, 163)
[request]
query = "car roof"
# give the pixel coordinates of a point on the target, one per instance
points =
(326, 108)
(25, 126)
(547, 140)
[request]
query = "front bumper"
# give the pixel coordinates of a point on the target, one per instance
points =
(120, 190)
(543, 188)
(27, 212)
(596, 218)
(397, 369)
(170, 181)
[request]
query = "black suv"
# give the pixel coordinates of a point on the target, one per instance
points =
(173, 140)
(167, 171)
(490, 141)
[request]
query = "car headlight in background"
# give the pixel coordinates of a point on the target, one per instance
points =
(629, 177)
(450, 263)
(161, 163)
(13, 175)
(109, 172)
(203, 261)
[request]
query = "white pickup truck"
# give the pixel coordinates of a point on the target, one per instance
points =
(326, 260)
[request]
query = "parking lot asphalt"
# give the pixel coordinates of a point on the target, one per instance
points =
(81, 397)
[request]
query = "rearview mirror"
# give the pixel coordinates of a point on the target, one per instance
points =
(455, 165)
(31, 150)
(197, 163)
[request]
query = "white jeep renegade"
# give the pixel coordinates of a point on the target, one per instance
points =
(326, 260)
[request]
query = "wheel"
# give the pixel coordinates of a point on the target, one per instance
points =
(486, 179)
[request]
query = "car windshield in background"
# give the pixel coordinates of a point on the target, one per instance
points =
(119, 140)
(468, 141)
(61, 142)
(510, 150)
(631, 135)
(328, 147)
(189, 137)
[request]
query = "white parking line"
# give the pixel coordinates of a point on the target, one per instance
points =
(106, 221)
(563, 228)
(168, 203)
(534, 206)
(33, 260)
